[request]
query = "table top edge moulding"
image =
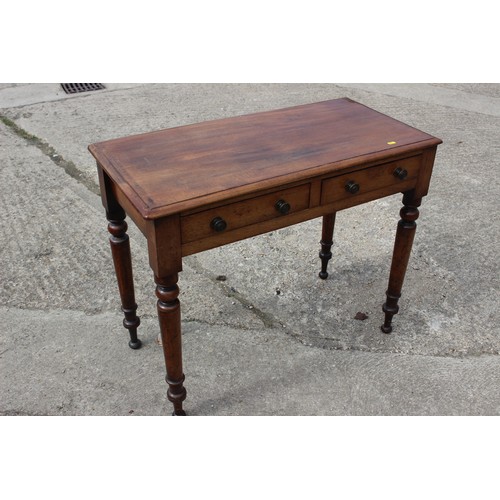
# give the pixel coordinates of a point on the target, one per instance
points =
(255, 152)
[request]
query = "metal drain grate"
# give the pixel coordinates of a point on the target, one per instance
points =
(74, 88)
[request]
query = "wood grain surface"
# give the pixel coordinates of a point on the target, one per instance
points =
(178, 169)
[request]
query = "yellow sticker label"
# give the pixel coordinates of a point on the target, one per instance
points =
(391, 143)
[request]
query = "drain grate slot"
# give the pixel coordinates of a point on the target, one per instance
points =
(74, 88)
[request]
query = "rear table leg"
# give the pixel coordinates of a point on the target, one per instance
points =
(326, 243)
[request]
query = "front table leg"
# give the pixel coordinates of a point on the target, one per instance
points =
(169, 315)
(120, 249)
(402, 248)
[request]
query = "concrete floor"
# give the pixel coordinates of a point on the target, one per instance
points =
(249, 350)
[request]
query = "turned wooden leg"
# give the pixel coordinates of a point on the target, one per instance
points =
(120, 249)
(326, 243)
(169, 315)
(402, 248)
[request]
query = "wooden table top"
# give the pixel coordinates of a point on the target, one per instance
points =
(184, 168)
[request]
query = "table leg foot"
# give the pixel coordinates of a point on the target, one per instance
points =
(326, 243)
(181, 413)
(137, 344)
(390, 308)
(176, 394)
(401, 255)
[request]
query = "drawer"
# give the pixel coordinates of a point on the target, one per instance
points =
(244, 213)
(388, 175)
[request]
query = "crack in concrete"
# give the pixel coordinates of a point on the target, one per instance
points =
(67, 165)
(216, 324)
(267, 319)
(326, 343)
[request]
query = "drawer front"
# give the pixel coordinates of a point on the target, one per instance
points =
(244, 213)
(387, 175)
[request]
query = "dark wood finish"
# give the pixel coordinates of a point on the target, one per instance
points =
(201, 186)
(401, 255)
(122, 259)
(326, 243)
(425, 172)
(216, 160)
(169, 315)
(370, 179)
(120, 249)
(164, 245)
(109, 201)
(226, 237)
(244, 213)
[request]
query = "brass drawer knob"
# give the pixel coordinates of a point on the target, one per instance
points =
(218, 224)
(282, 207)
(400, 173)
(352, 187)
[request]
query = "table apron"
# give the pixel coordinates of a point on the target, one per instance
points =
(241, 233)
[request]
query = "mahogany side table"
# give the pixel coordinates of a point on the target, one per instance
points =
(200, 186)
